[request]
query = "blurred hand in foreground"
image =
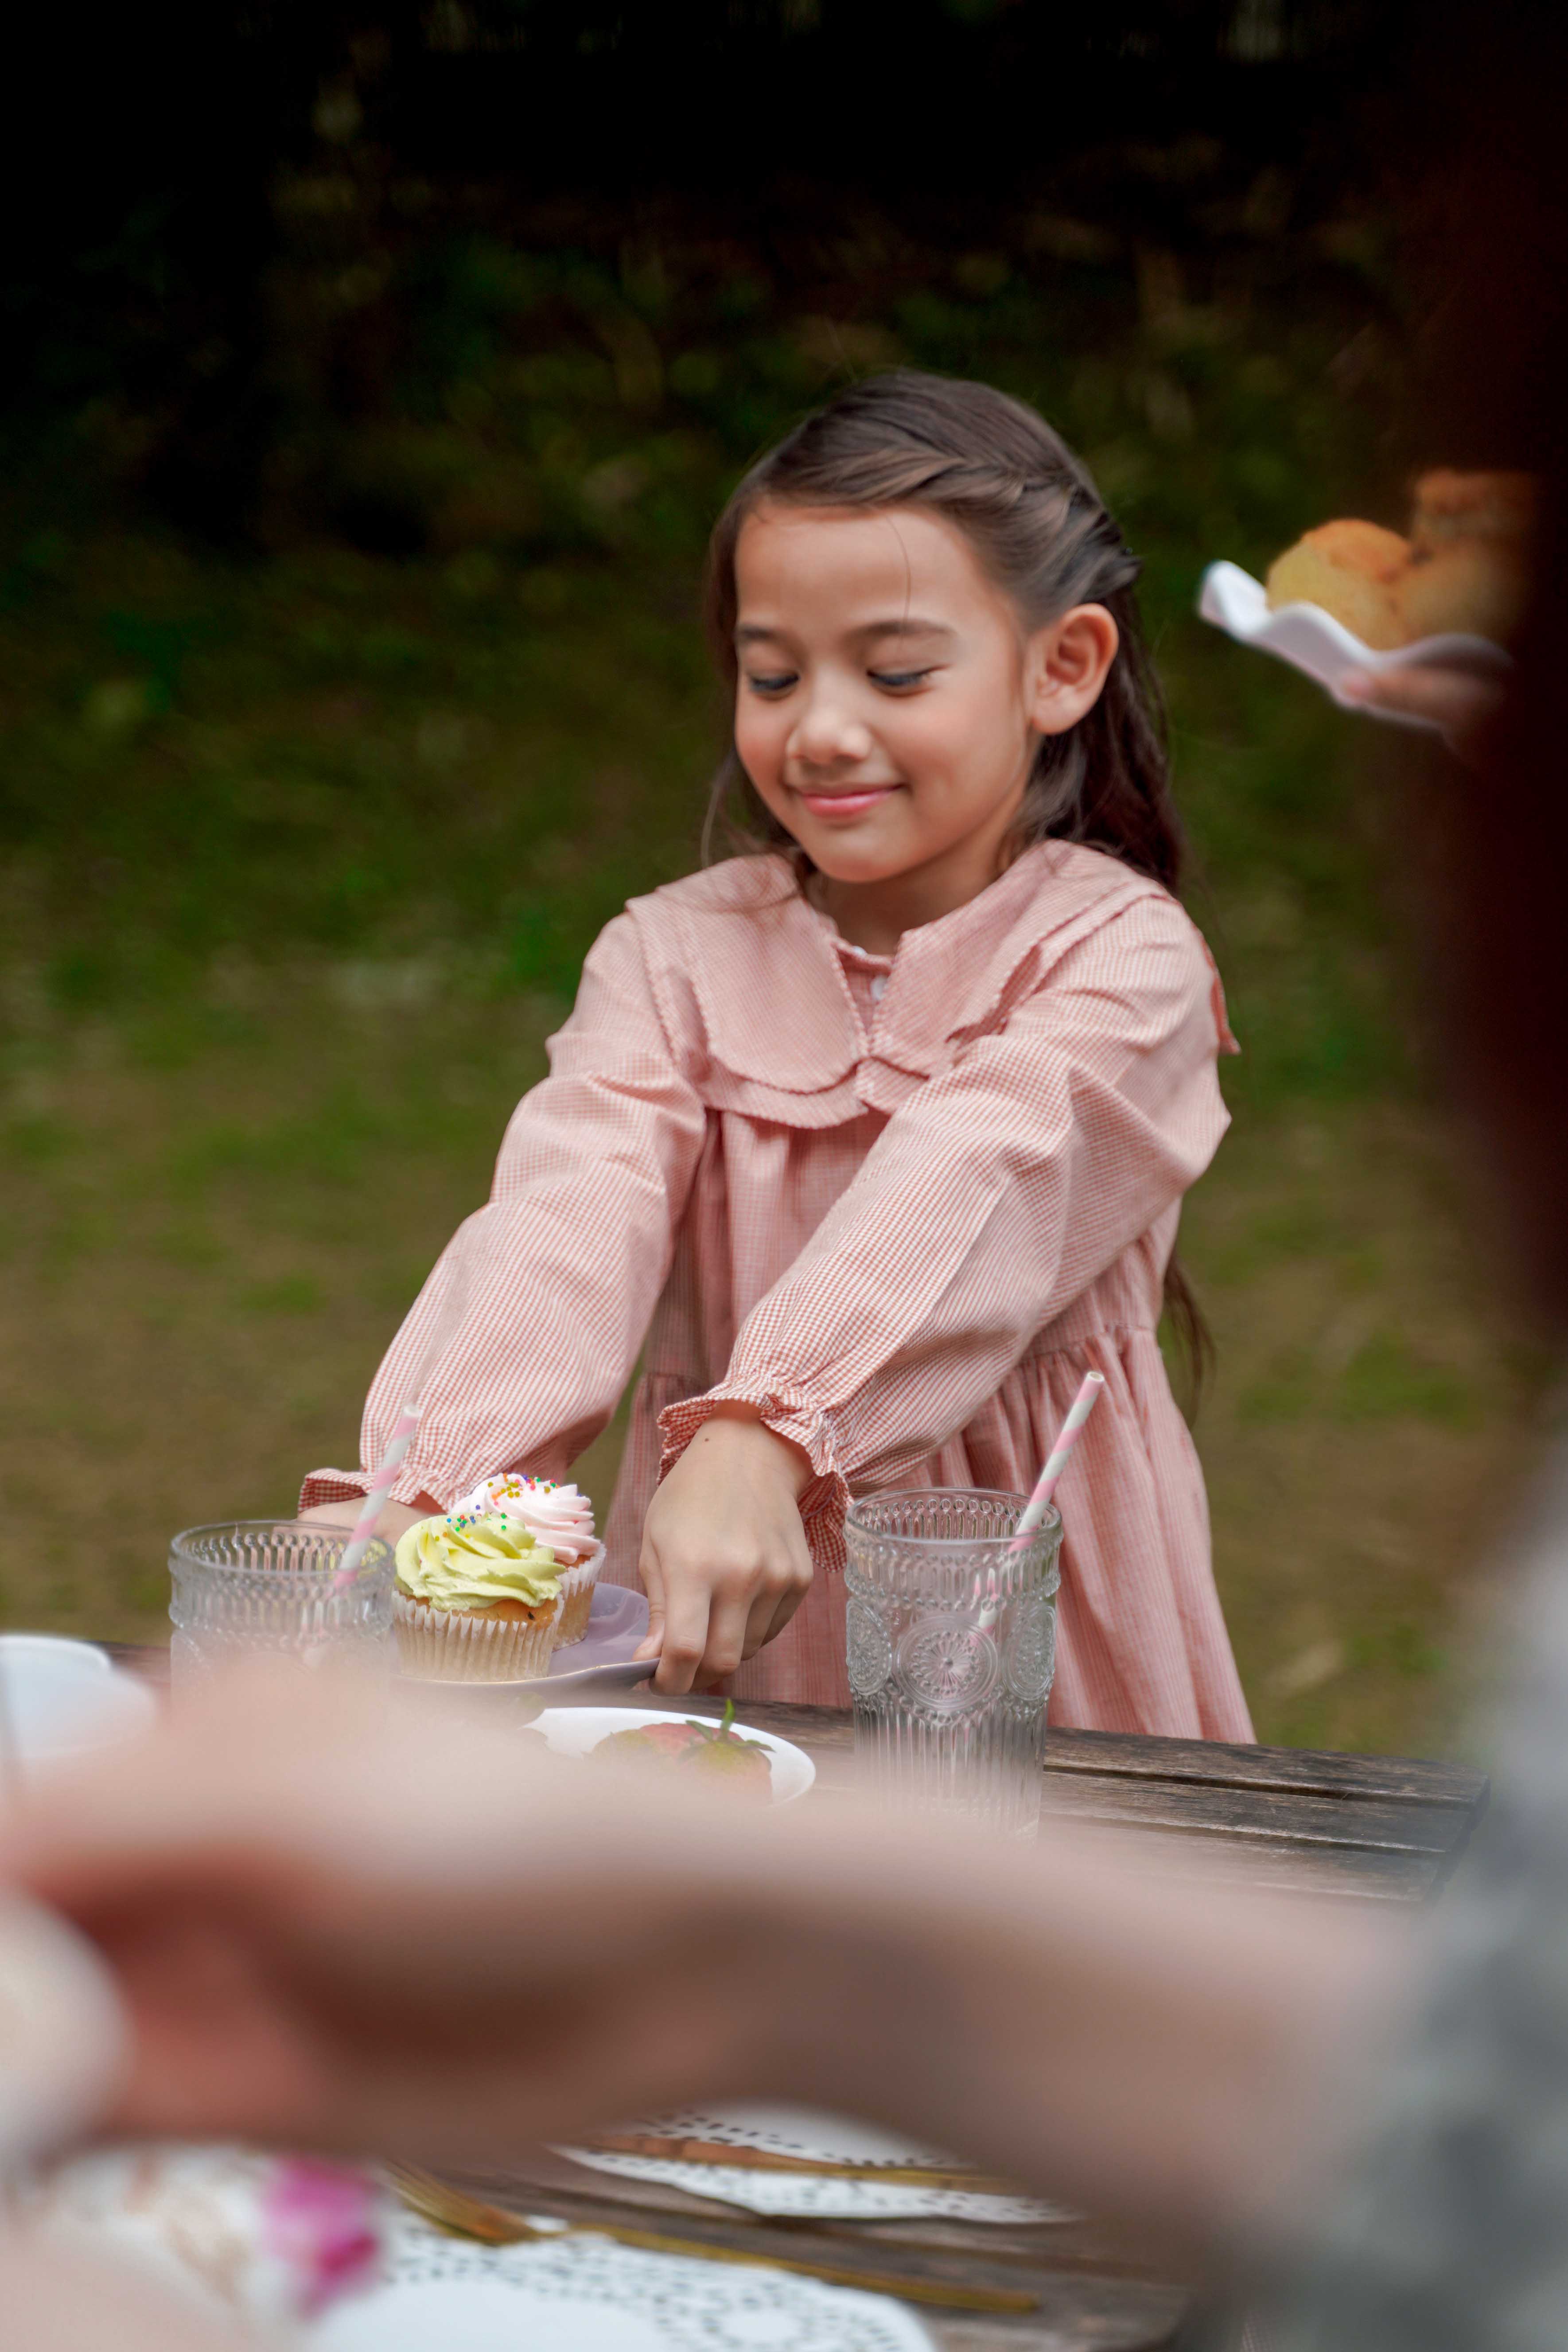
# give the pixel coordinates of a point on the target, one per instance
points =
(1458, 702)
(342, 1924)
(724, 1561)
(57, 2299)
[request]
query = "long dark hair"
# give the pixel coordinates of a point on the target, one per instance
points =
(1043, 534)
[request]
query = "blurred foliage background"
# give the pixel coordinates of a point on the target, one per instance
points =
(378, 374)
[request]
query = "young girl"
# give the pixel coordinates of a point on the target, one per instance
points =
(876, 1134)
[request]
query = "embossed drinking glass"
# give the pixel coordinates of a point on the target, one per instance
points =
(952, 1642)
(272, 1584)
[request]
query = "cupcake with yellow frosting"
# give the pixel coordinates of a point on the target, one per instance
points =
(475, 1601)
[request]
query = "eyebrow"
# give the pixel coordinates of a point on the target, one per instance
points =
(909, 625)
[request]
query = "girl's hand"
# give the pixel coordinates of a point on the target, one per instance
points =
(1456, 701)
(724, 1559)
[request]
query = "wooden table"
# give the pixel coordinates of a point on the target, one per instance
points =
(1378, 1828)
(1348, 1828)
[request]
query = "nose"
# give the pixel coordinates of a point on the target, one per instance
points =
(827, 733)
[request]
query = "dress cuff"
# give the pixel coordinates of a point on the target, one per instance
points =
(824, 1501)
(350, 1486)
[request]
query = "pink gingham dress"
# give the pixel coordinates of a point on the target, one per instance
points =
(901, 1205)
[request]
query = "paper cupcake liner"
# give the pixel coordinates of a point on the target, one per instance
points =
(577, 1596)
(443, 1645)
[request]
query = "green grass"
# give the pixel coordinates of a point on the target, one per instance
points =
(301, 855)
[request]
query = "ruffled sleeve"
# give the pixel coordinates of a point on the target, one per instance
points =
(998, 1192)
(565, 1262)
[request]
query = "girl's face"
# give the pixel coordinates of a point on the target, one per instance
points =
(889, 699)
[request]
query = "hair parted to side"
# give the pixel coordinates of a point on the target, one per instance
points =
(994, 469)
(1042, 532)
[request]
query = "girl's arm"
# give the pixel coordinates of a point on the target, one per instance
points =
(563, 1268)
(991, 1201)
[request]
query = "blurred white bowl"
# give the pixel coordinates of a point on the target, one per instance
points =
(57, 1653)
(61, 1701)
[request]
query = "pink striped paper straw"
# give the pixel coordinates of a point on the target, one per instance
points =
(391, 1462)
(1035, 1510)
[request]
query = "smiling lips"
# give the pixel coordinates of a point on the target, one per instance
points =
(843, 805)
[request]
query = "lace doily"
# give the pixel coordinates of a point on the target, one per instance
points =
(800, 2196)
(585, 2294)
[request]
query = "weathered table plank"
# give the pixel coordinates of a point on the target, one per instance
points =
(1307, 1771)
(1369, 1825)
(1381, 1828)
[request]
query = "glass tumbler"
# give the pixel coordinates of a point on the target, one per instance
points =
(271, 1584)
(952, 1639)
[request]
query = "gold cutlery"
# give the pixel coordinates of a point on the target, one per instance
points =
(463, 2216)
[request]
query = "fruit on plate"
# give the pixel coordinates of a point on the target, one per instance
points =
(710, 1752)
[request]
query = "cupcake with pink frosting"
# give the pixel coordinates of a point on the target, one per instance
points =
(561, 1518)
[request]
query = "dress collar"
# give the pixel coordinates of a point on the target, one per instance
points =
(989, 909)
(810, 1058)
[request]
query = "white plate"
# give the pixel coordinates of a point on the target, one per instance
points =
(1311, 640)
(584, 2293)
(577, 1731)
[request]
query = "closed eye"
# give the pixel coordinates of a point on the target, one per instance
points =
(899, 681)
(778, 682)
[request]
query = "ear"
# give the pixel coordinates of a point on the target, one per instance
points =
(1065, 665)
